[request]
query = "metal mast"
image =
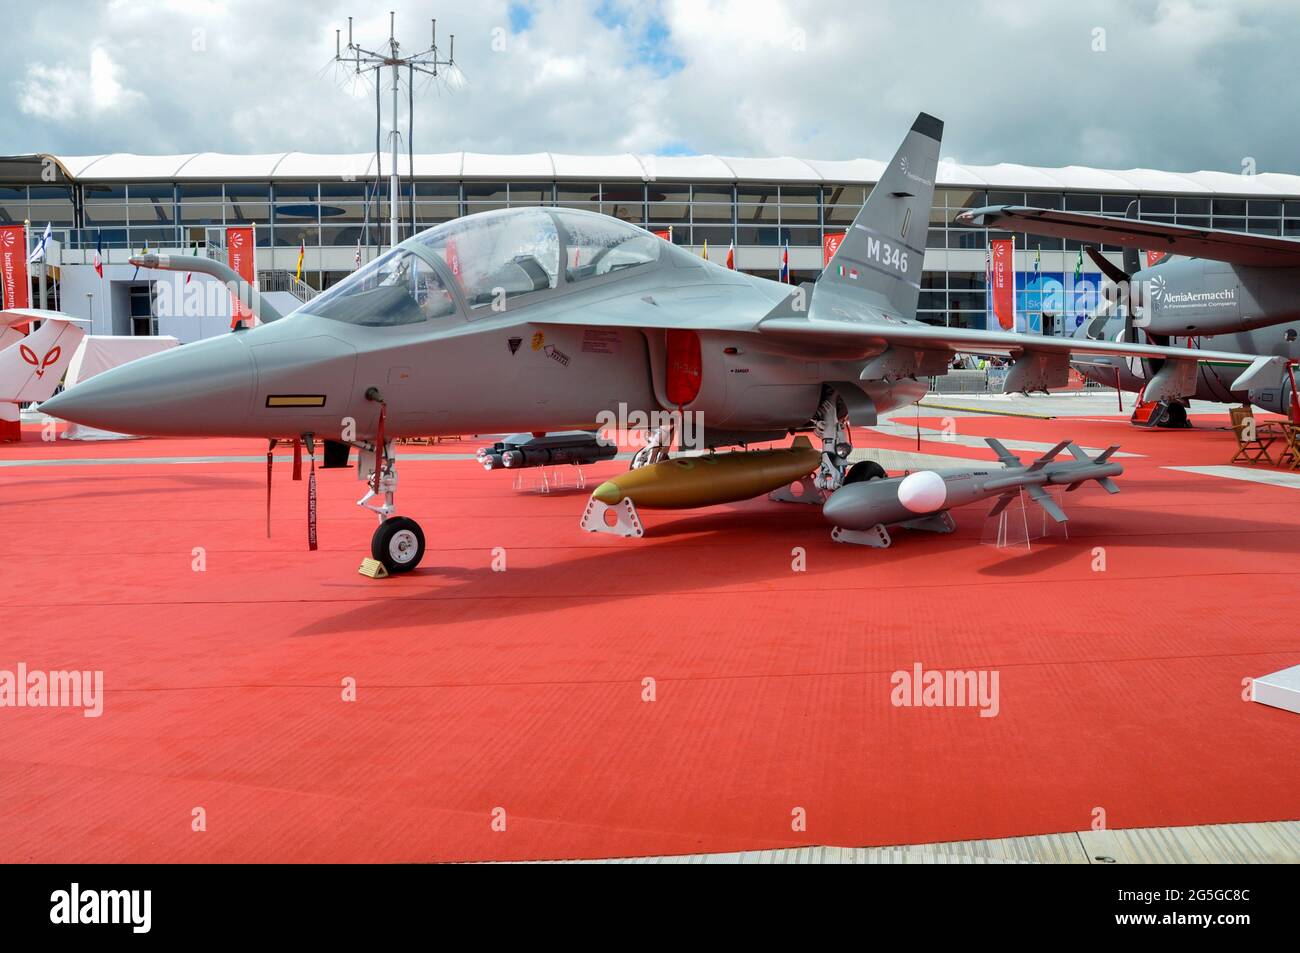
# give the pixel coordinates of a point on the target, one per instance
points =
(427, 61)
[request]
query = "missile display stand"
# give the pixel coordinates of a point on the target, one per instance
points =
(543, 482)
(878, 536)
(1016, 527)
(616, 519)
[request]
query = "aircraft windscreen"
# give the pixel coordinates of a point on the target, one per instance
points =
(397, 288)
(510, 252)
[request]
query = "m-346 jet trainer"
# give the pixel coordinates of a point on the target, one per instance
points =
(545, 319)
(1222, 290)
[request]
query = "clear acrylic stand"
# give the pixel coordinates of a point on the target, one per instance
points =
(1022, 522)
(549, 479)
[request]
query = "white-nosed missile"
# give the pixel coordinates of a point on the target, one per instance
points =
(919, 499)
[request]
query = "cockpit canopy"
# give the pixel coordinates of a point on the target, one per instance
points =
(486, 259)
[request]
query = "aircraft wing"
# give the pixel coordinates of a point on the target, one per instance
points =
(1239, 248)
(1039, 362)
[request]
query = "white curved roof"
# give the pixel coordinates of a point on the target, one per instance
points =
(214, 166)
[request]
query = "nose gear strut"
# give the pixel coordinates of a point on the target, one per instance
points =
(398, 541)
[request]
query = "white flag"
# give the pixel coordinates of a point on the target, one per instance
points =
(39, 251)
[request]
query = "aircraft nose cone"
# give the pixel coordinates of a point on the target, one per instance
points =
(197, 389)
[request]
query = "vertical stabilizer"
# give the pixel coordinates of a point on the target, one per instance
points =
(883, 252)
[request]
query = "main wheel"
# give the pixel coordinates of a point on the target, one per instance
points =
(1175, 415)
(398, 543)
(864, 470)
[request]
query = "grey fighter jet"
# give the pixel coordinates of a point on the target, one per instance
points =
(1225, 291)
(549, 319)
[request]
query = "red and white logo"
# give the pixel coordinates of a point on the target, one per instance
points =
(40, 364)
(9, 239)
(236, 239)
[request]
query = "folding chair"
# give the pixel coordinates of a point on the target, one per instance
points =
(1290, 455)
(1253, 441)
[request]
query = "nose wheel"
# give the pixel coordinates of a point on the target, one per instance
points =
(398, 543)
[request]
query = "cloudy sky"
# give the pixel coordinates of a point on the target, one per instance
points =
(1172, 84)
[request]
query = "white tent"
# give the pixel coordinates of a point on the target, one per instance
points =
(101, 352)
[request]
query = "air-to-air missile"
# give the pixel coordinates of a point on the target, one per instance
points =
(686, 482)
(862, 511)
(520, 450)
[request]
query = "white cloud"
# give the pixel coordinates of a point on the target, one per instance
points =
(63, 93)
(1183, 84)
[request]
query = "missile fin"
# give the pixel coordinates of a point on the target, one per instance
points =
(1044, 499)
(1074, 486)
(1106, 454)
(1077, 452)
(1049, 456)
(1108, 485)
(1003, 501)
(1005, 455)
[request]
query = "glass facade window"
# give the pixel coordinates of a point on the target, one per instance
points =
(1116, 204)
(841, 204)
(799, 236)
(584, 195)
(1229, 207)
(149, 204)
(13, 204)
(1153, 205)
(963, 198)
(104, 205)
(53, 204)
(623, 201)
(485, 196)
(532, 193)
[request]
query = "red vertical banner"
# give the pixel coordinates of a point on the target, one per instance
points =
(1003, 276)
(241, 252)
(830, 245)
(14, 283)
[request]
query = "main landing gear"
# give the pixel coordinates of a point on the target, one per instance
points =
(398, 542)
(831, 427)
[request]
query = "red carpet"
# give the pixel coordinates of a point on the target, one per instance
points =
(522, 689)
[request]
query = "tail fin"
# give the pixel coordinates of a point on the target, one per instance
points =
(1106, 454)
(1049, 456)
(31, 369)
(883, 253)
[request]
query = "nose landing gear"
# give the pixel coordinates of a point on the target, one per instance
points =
(398, 542)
